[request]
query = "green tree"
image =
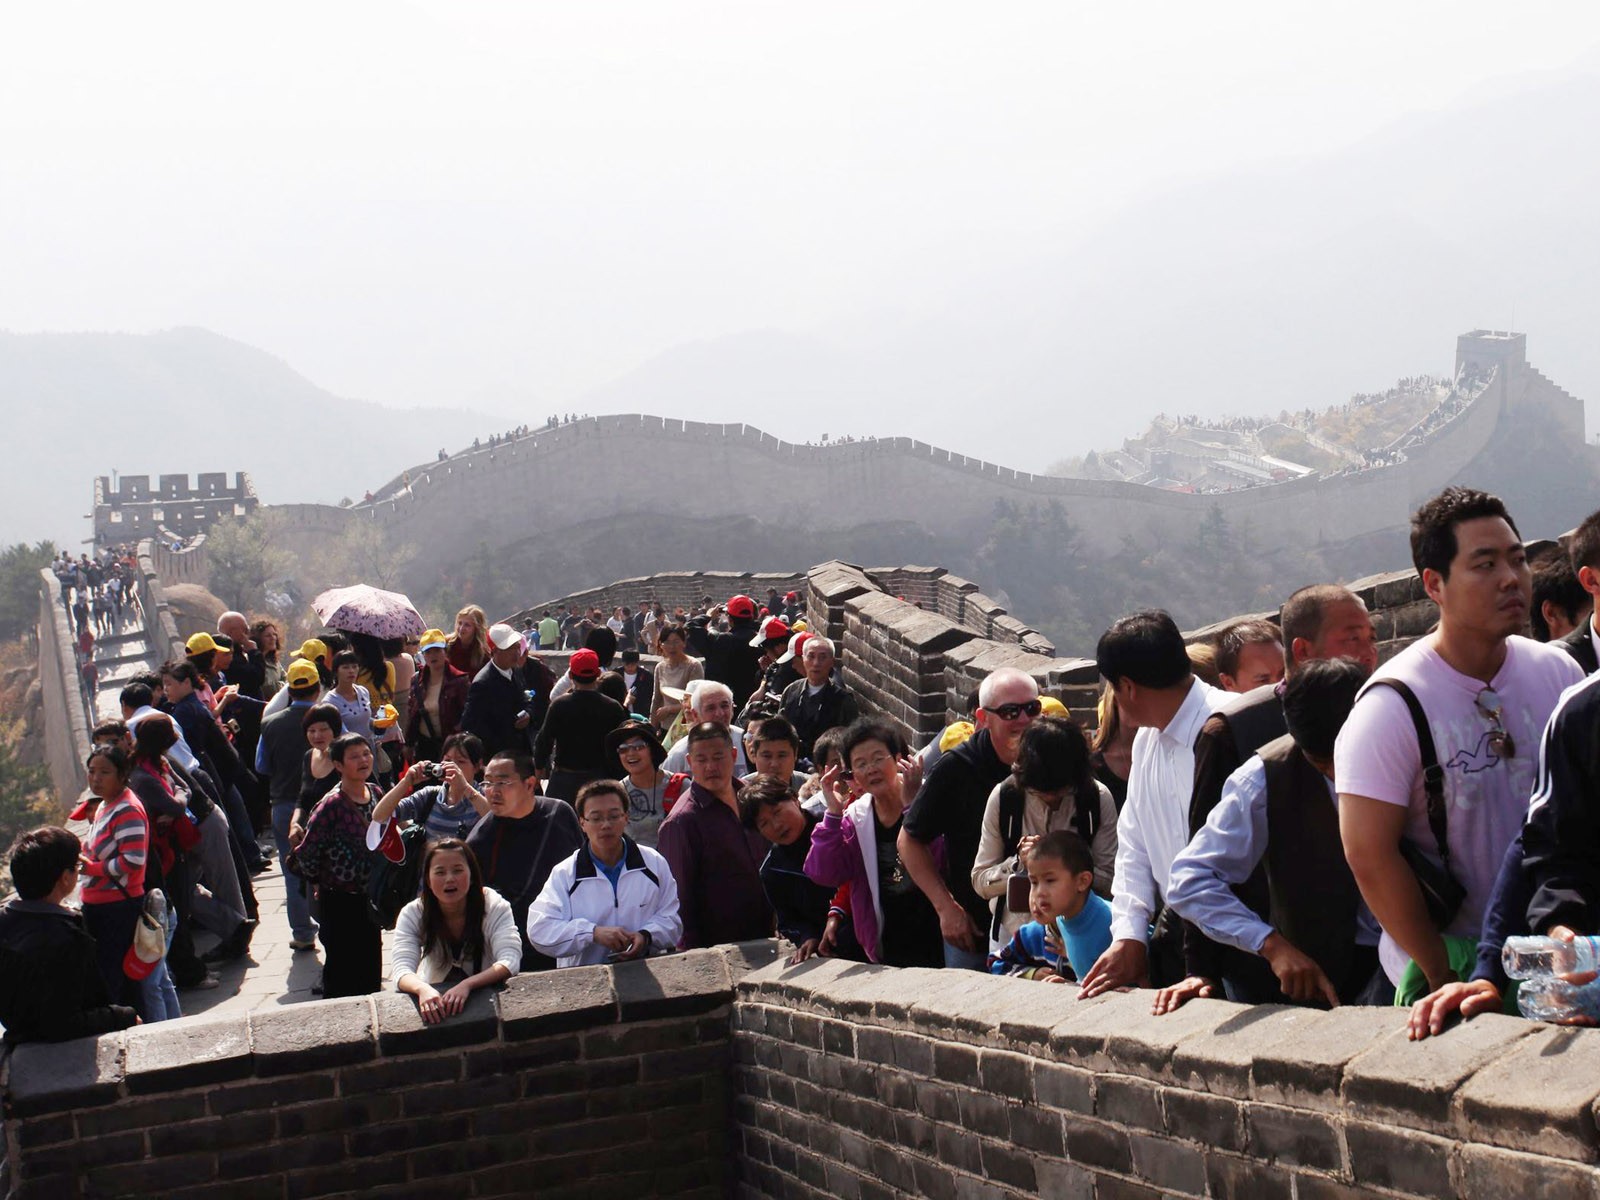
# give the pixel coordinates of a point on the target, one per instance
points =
(24, 794)
(19, 586)
(244, 556)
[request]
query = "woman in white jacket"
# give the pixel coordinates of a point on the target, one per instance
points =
(457, 935)
(613, 899)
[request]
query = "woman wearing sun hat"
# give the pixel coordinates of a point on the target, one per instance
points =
(438, 696)
(635, 754)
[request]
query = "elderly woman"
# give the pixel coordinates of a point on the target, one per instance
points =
(334, 859)
(446, 936)
(438, 698)
(468, 648)
(113, 868)
(613, 899)
(893, 920)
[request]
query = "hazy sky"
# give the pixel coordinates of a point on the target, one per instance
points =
(458, 203)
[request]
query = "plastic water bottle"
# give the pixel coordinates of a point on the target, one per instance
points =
(1552, 999)
(1534, 957)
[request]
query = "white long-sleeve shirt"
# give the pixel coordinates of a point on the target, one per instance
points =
(579, 896)
(1154, 824)
(501, 942)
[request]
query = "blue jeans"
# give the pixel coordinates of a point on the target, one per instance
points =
(301, 926)
(967, 960)
(159, 996)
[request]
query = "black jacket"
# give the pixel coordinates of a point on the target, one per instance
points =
(644, 687)
(1580, 645)
(731, 659)
(812, 716)
(493, 702)
(573, 736)
(50, 987)
(1561, 839)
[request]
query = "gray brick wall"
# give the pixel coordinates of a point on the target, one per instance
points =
(861, 1081)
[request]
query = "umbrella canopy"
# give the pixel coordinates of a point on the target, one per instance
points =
(369, 610)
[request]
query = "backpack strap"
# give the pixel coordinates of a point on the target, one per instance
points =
(1432, 772)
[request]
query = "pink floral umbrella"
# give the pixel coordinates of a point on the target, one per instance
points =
(369, 610)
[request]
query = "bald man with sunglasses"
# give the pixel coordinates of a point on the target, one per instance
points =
(951, 805)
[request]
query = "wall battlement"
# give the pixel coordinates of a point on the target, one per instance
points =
(133, 509)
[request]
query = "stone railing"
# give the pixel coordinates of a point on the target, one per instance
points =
(155, 561)
(673, 589)
(590, 1081)
(66, 723)
(855, 1080)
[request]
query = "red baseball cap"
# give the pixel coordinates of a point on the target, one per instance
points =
(585, 664)
(771, 629)
(742, 607)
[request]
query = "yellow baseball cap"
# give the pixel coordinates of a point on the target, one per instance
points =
(1051, 707)
(313, 648)
(302, 674)
(199, 644)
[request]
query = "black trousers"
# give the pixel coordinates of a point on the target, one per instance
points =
(351, 945)
(111, 925)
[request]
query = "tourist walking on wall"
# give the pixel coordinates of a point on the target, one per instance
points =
(333, 857)
(675, 670)
(113, 868)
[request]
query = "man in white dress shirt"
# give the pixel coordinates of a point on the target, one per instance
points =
(1142, 657)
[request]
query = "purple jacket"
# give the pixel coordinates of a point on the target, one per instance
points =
(845, 850)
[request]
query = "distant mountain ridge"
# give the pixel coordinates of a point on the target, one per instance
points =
(188, 400)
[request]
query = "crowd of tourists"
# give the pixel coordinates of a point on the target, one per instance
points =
(101, 599)
(1269, 815)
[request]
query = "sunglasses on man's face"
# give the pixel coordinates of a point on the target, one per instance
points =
(1010, 712)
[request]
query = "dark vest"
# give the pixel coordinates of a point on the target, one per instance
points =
(1314, 895)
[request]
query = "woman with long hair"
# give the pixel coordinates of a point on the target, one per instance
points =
(113, 868)
(269, 640)
(1111, 748)
(438, 698)
(446, 936)
(334, 859)
(468, 648)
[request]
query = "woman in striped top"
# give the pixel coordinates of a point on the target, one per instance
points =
(113, 867)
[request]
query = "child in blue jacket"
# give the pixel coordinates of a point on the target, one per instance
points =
(1060, 887)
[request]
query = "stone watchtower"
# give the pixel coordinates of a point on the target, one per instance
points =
(1528, 392)
(134, 510)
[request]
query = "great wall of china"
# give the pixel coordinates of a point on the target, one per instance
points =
(723, 1073)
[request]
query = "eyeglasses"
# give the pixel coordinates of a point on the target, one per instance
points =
(1490, 706)
(1010, 712)
(609, 818)
(628, 747)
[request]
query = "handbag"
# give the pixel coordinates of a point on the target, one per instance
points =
(149, 945)
(1442, 892)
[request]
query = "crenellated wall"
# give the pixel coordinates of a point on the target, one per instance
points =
(856, 1080)
(726, 1073)
(674, 589)
(65, 719)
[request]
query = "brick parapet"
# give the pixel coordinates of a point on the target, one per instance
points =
(560, 1082)
(851, 1078)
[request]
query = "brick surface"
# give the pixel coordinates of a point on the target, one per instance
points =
(401, 1029)
(1230, 1177)
(1294, 1137)
(553, 1002)
(1219, 1059)
(1414, 1082)
(1540, 1097)
(1402, 1159)
(1134, 1103)
(1199, 1117)
(1171, 1166)
(309, 1037)
(671, 985)
(1484, 1172)
(177, 1054)
(1303, 1064)
(65, 1075)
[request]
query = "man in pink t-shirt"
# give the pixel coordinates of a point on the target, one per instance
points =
(1487, 693)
